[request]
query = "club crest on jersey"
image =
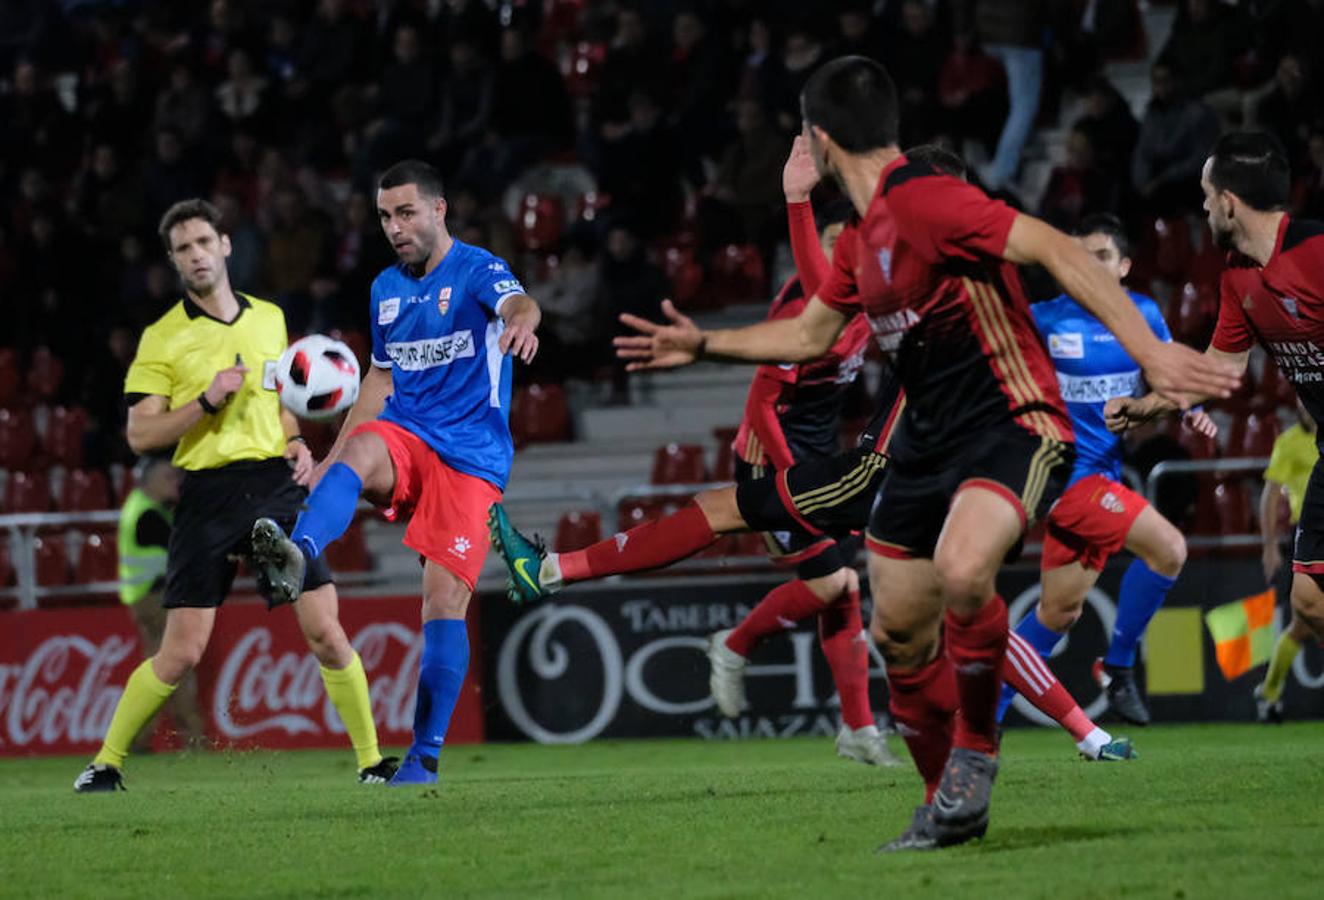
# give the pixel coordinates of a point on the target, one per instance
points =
(444, 300)
(1110, 502)
(1066, 345)
(885, 263)
(388, 310)
(1289, 304)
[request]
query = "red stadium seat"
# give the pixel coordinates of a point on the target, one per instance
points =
(561, 20)
(583, 68)
(98, 560)
(1196, 310)
(1198, 445)
(52, 560)
(679, 464)
(1253, 435)
(725, 467)
(350, 552)
(749, 543)
(45, 373)
(9, 377)
(578, 529)
(738, 274)
(539, 413)
(63, 438)
(590, 204)
(17, 438)
(634, 512)
(6, 564)
(541, 219)
(27, 492)
(1172, 248)
(684, 272)
(1273, 390)
(84, 490)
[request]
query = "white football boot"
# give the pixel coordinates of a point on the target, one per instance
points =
(866, 745)
(726, 680)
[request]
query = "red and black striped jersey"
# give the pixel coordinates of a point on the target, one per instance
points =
(794, 411)
(1280, 305)
(950, 314)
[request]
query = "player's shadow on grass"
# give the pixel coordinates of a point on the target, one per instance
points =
(1033, 836)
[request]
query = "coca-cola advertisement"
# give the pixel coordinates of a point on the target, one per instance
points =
(62, 671)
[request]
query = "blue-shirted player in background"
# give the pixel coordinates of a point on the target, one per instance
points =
(428, 437)
(1096, 515)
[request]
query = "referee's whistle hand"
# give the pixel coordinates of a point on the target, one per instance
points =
(225, 384)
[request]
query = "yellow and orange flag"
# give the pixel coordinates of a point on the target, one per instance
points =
(1242, 632)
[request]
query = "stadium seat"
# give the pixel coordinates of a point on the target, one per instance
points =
(561, 20)
(9, 377)
(684, 272)
(1253, 435)
(725, 467)
(749, 543)
(583, 68)
(350, 552)
(577, 529)
(1195, 313)
(17, 438)
(738, 274)
(1172, 247)
(590, 204)
(636, 511)
(27, 492)
(84, 490)
(1273, 389)
(98, 559)
(539, 414)
(679, 464)
(541, 219)
(63, 435)
(1194, 443)
(52, 560)
(45, 373)
(6, 564)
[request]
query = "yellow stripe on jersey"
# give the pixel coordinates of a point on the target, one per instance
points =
(179, 355)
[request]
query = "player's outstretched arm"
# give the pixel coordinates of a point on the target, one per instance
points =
(679, 342)
(1121, 414)
(153, 425)
(1180, 374)
(376, 387)
(522, 316)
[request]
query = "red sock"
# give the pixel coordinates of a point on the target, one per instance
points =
(647, 546)
(841, 633)
(923, 702)
(782, 608)
(976, 646)
(1027, 672)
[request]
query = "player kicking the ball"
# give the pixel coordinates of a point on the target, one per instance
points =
(984, 444)
(428, 437)
(1097, 515)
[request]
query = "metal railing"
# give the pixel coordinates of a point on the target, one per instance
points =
(1250, 465)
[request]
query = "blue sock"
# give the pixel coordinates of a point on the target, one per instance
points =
(1142, 594)
(441, 674)
(328, 510)
(1039, 636)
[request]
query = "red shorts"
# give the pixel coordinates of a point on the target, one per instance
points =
(447, 510)
(1090, 522)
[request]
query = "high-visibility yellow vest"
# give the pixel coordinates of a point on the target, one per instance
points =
(139, 566)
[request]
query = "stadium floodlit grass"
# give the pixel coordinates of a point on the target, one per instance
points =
(1227, 811)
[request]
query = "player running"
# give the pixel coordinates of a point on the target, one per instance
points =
(984, 444)
(195, 382)
(1097, 515)
(821, 496)
(1272, 291)
(428, 437)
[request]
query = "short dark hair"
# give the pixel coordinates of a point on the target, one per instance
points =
(1253, 165)
(1106, 224)
(416, 172)
(183, 211)
(942, 159)
(853, 99)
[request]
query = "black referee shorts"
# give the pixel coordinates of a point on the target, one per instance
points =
(217, 508)
(814, 501)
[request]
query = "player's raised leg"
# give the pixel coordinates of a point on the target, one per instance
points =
(1269, 692)
(187, 631)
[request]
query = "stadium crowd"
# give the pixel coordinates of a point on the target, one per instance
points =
(616, 152)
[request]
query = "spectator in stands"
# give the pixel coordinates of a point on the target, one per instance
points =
(107, 199)
(117, 109)
(640, 166)
(1173, 143)
(1079, 186)
(247, 244)
(697, 111)
(1291, 106)
(746, 190)
(1013, 32)
(634, 64)
(36, 130)
(914, 57)
(332, 51)
(241, 98)
(170, 175)
(573, 331)
(1308, 188)
(1111, 126)
(972, 93)
(859, 34)
(784, 76)
(531, 112)
(629, 284)
(184, 107)
(296, 243)
(1205, 41)
(466, 105)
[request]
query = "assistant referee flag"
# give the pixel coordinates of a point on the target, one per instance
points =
(1242, 632)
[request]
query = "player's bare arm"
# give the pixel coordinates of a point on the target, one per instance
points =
(521, 315)
(1179, 373)
(153, 425)
(680, 342)
(1124, 413)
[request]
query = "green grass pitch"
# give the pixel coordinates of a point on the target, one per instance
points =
(1208, 811)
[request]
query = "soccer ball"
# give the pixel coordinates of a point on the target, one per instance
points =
(317, 377)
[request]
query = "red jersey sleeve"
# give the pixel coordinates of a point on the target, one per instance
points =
(840, 291)
(761, 418)
(810, 261)
(1232, 334)
(943, 217)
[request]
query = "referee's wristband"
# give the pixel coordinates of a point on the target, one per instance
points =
(296, 437)
(206, 405)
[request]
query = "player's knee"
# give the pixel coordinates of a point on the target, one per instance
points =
(966, 586)
(1169, 555)
(721, 510)
(328, 642)
(1059, 617)
(1308, 600)
(830, 587)
(903, 641)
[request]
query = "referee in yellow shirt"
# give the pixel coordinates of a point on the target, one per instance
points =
(1293, 458)
(203, 378)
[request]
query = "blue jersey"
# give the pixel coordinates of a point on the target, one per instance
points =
(1092, 368)
(438, 336)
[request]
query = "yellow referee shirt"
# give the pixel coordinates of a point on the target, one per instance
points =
(179, 355)
(1294, 456)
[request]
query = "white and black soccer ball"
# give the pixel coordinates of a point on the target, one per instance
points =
(317, 377)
